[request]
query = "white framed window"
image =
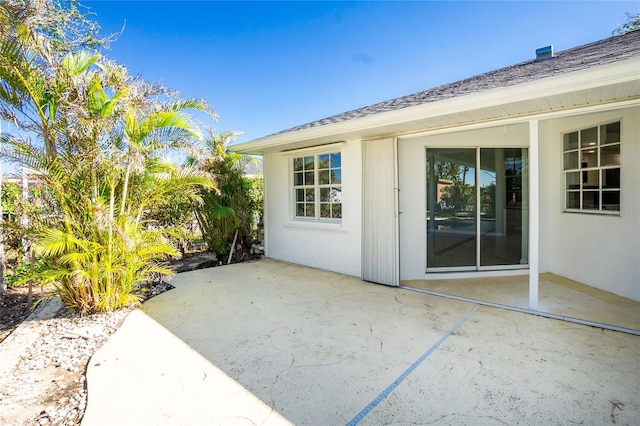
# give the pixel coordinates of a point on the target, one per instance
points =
(317, 186)
(591, 168)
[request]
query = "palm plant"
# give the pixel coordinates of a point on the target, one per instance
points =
(100, 140)
(96, 244)
(231, 207)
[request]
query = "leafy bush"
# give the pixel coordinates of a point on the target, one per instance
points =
(100, 139)
(235, 204)
(24, 272)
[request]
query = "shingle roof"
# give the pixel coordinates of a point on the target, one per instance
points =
(602, 52)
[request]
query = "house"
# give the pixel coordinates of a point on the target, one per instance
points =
(526, 169)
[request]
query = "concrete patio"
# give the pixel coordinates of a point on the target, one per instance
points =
(559, 297)
(273, 343)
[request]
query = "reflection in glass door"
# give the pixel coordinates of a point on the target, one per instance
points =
(503, 207)
(451, 208)
(477, 213)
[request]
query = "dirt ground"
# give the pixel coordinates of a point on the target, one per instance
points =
(47, 385)
(14, 307)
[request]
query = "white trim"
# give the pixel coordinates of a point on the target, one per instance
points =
(579, 169)
(619, 72)
(396, 201)
(478, 214)
(478, 217)
(527, 311)
(265, 210)
(614, 213)
(316, 224)
(317, 187)
(534, 214)
(460, 274)
(524, 119)
(446, 269)
(486, 268)
(312, 149)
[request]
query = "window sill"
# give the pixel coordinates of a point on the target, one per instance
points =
(594, 212)
(316, 224)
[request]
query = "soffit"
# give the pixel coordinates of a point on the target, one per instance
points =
(604, 85)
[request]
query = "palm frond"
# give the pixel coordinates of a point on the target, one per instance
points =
(192, 104)
(55, 242)
(77, 63)
(168, 119)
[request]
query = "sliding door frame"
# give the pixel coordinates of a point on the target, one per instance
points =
(478, 214)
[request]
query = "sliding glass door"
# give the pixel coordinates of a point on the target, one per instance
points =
(451, 208)
(503, 207)
(477, 215)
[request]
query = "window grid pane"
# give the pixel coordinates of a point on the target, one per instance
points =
(610, 155)
(571, 141)
(310, 210)
(589, 158)
(590, 200)
(572, 180)
(571, 160)
(589, 137)
(611, 178)
(611, 200)
(323, 177)
(323, 161)
(336, 176)
(610, 133)
(336, 210)
(573, 200)
(308, 178)
(309, 163)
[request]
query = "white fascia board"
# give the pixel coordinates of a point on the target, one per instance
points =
(580, 110)
(618, 72)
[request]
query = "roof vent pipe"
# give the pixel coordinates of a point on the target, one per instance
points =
(544, 53)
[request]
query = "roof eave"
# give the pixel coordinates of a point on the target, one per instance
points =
(618, 72)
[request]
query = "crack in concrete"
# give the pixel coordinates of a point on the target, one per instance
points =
(410, 370)
(467, 416)
(376, 337)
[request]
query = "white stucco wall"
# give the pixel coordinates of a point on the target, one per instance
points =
(331, 246)
(412, 184)
(599, 250)
(602, 251)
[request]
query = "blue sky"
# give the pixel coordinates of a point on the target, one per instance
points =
(268, 66)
